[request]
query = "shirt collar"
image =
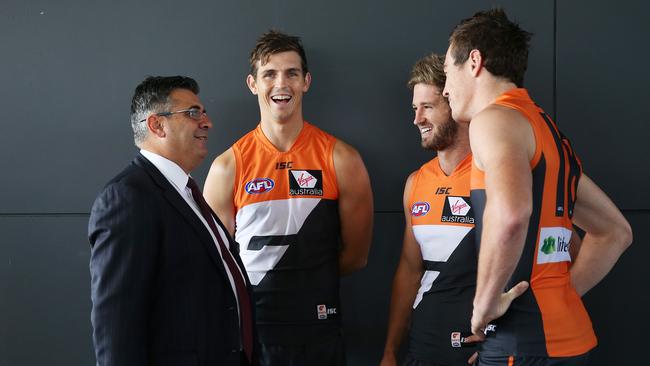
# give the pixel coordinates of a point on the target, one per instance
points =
(174, 173)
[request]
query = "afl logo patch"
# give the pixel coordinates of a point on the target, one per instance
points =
(420, 209)
(259, 185)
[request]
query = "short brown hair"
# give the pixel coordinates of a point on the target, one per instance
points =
(502, 43)
(428, 70)
(273, 42)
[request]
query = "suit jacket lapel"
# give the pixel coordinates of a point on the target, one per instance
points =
(176, 201)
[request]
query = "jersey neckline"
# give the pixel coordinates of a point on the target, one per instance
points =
(305, 131)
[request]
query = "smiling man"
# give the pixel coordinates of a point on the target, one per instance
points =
(436, 276)
(299, 202)
(435, 280)
(168, 287)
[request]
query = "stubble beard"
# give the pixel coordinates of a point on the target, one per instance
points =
(444, 137)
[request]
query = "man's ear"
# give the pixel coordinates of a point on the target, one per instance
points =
(307, 82)
(252, 84)
(476, 62)
(155, 124)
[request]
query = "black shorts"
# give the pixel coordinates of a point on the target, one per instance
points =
(409, 360)
(329, 352)
(506, 360)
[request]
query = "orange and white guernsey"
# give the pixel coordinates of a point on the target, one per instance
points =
(549, 319)
(287, 225)
(442, 220)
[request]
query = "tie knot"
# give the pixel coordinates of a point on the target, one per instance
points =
(196, 192)
(191, 184)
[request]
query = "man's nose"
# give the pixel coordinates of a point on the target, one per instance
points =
(418, 118)
(206, 122)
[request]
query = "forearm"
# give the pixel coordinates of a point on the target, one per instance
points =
(350, 261)
(356, 235)
(607, 236)
(596, 258)
(502, 243)
(405, 289)
(355, 206)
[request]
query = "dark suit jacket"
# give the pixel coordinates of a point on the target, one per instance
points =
(160, 293)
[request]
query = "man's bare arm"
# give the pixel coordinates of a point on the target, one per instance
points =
(355, 208)
(503, 143)
(218, 189)
(405, 286)
(607, 235)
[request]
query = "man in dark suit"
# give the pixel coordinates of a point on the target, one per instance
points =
(167, 282)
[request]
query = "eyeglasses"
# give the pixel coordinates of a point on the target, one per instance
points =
(193, 113)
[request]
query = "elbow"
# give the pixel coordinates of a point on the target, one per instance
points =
(620, 234)
(516, 221)
(626, 235)
(350, 266)
(359, 264)
(362, 263)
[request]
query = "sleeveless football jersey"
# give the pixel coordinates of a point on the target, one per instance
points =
(549, 319)
(442, 220)
(287, 225)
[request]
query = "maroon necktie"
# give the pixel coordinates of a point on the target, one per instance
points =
(240, 284)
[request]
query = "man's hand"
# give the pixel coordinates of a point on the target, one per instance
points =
(469, 340)
(388, 360)
(472, 339)
(481, 316)
(473, 358)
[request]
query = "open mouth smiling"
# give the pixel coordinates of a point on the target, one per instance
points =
(281, 98)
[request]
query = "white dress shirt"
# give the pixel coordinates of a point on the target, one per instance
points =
(178, 179)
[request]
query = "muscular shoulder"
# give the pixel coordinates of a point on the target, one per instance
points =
(410, 179)
(408, 186)
(498, 129)
(224, 163)
(220, 180)
(219, 187)
(347, 161)
(344, 151)
(498, 116)
(351, 174)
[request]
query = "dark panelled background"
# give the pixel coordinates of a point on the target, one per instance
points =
(68, 69)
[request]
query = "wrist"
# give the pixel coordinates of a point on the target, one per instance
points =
(482, 304)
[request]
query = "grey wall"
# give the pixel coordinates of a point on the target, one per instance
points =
(69, 68)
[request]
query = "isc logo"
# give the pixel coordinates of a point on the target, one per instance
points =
(420, 209)
(259, 185)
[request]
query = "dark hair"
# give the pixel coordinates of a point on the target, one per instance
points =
(428, 70)
(502, 43)
(273, 42)
(152, 96)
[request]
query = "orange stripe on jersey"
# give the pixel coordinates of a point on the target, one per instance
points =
(567, 329)
(436, 189)
(270, 174)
